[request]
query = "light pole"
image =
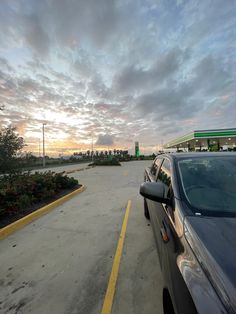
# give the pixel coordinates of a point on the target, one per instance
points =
(43, 146)
(39, 148)
(92, 146)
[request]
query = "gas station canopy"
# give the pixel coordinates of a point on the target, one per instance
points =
(205, 140)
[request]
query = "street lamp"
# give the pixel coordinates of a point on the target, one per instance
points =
(92, 146)
(39, 148)
(43, 146)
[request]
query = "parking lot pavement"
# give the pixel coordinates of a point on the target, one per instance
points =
(140, 281)
(61, 263)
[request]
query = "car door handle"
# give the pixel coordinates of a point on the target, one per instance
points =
(164, 235)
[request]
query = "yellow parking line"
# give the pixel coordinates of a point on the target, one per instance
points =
(108, 301)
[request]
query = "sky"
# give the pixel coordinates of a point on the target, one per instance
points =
(115, 72)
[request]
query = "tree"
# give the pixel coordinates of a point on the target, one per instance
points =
(30, 157)
(10, 146)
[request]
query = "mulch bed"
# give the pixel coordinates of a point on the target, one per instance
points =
(7, 219)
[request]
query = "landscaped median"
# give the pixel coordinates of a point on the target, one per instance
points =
(26, 197)
(105, 162)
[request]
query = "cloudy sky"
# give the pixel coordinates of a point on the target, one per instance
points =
(118, 71)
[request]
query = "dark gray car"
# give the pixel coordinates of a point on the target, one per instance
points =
(191, 201)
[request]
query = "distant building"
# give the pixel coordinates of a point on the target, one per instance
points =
(212, 140)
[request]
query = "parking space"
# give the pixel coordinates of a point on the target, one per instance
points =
(61, 263)
(140, 281)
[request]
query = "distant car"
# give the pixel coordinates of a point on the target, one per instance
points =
(191, 201)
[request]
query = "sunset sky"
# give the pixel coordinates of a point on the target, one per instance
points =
(124, 71)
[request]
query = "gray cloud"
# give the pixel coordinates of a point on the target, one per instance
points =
(184, 99)
(73, 21)
(211, 76)
(36, 36)
(4, 64)
(136, 79)
(167, 103)
(83, 66)
(106, 140)
(43, 24)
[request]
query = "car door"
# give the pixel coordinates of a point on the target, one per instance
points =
(156, 210)
(169, 245)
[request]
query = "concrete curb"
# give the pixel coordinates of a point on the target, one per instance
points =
(76, 170)
(4, 232)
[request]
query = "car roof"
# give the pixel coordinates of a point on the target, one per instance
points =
(199, 154)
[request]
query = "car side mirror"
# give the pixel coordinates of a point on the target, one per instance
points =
(154, 191)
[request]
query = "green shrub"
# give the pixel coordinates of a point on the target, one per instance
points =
(24, 201)
(19, 191)
(106, 162)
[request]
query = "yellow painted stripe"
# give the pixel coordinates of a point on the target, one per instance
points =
(108, 301)
(4, 232)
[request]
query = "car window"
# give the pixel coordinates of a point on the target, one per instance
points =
(164, 176)
(155, 166)
(209, 184)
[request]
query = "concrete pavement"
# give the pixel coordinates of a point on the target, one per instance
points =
(61, 263)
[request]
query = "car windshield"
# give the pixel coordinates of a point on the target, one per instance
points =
(209, 184)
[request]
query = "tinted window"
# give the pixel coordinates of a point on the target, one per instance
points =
(209, 184)
(156, 166)
(164, 176)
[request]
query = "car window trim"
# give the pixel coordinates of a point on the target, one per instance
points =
(158, 170)
(171, 186)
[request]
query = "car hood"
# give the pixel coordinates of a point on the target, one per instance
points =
(213, 241)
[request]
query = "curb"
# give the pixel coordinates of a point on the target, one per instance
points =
(76, 170)
(4, 232)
